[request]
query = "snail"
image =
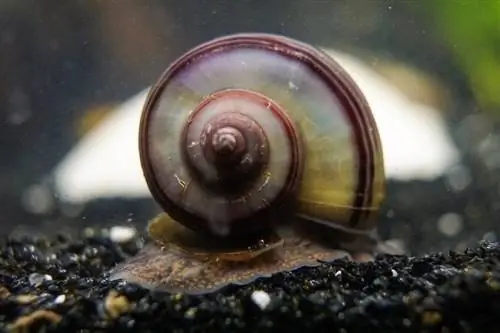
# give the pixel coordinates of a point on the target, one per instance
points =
(265, 157)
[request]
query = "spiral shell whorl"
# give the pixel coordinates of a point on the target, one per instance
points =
(226, 144)
(308, 117)
(230, 148)
(240, 153)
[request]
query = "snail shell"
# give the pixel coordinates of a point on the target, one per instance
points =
(265, 156)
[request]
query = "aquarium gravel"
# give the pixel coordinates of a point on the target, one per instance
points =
(60, 285)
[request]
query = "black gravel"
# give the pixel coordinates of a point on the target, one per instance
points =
(58, 286)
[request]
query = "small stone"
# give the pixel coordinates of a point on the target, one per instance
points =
(36, 279)
(121, 234)
(4, 292)
(25, 299)
(431, 317)
(261, 299)
(190, 313)
(60, 299)
(116, 304)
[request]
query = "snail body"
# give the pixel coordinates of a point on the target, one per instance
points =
(265, 157)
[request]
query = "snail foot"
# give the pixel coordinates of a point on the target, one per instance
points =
(167, 267)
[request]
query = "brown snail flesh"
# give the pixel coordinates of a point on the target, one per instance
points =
(265, 157)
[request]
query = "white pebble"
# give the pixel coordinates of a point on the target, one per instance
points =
(261, 298)
(36, 279)
(121, 234)
(60, 299)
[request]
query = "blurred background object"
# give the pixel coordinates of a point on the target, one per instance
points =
(75, 75)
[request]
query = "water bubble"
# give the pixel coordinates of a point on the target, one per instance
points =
(450, 224)
(458, 178)
(37, 199)
(490, 236)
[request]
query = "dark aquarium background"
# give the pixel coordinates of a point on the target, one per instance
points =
(68, 66)
(74, 204)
